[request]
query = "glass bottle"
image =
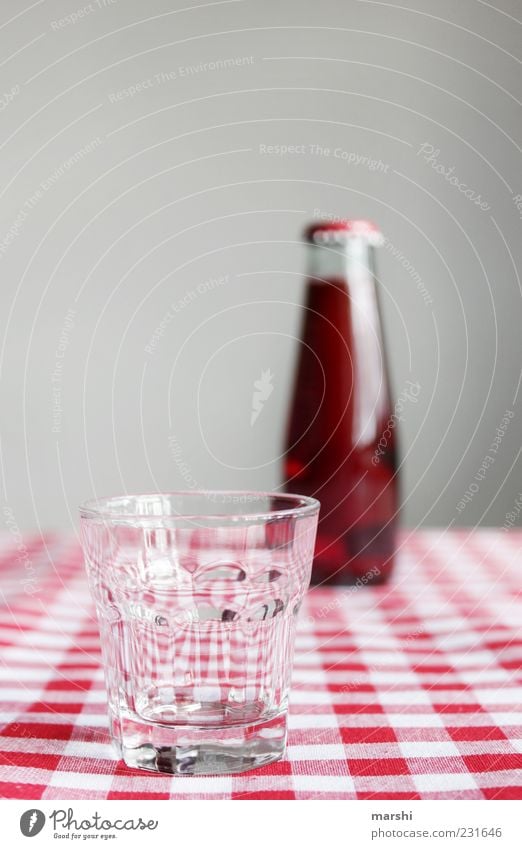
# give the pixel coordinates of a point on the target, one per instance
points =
(341, 438)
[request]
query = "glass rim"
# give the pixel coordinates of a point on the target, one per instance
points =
(100, 508)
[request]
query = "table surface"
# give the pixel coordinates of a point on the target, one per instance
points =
(409, 691)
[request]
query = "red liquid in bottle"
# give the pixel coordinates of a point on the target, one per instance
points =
(341, 443)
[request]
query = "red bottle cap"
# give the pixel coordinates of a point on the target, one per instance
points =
(338, 230)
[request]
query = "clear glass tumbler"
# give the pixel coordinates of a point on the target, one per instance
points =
(197, 595)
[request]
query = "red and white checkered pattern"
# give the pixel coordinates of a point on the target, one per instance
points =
(409, 691)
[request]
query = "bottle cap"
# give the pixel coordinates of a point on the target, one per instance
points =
(338, 231)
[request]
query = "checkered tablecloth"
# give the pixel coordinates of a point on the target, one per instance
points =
(409, 691)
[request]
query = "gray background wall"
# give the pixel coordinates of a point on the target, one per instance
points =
(139, 194)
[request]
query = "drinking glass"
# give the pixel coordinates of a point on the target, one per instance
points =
(196, 595)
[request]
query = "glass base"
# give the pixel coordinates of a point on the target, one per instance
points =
(198, 749)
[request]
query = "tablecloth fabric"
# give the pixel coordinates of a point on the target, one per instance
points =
(407, 691)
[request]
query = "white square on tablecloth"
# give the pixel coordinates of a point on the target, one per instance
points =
(443, 782)
(202, 784)
(325, 752)
(324, 783)
(404, 697)
(312, 720)
(81, 780)
(428, 749)
(415, 720)
(90, 749)
(499, 696)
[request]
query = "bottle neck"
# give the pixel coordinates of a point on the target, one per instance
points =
(352, 262)
(350, 267)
